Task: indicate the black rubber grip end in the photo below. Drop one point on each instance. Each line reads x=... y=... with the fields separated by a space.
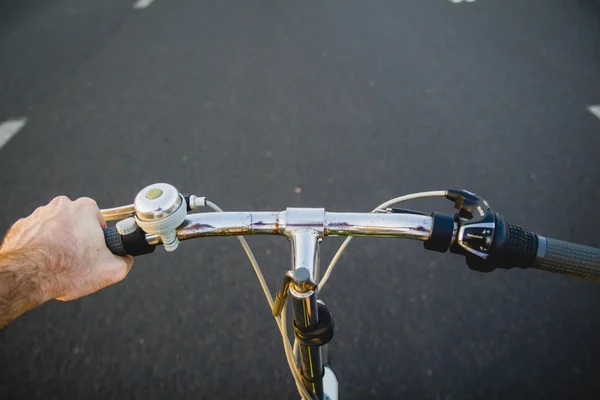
x=114 y=241
x=569 y=259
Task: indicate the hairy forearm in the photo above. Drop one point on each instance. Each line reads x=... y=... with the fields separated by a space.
x=58 y=252
x=24 y=283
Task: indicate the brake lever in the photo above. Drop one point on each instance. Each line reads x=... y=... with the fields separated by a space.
x=118 y=213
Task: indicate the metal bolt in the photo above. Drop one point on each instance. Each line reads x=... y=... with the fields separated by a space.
x=301 y=275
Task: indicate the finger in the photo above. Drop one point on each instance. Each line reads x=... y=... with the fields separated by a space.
x=91 y=205
x=101 y=220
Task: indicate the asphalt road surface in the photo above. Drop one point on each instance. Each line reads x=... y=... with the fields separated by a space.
x=353 y=102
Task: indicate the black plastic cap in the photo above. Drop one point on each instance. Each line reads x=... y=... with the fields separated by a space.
x=441 y=233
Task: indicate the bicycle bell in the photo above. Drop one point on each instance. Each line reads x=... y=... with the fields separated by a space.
x=159 y=210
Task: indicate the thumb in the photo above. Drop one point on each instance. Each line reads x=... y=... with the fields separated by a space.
x=122 y=266
x=111 y=270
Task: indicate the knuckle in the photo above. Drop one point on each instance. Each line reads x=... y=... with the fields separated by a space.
x=17 y=224
x=86 y=202
x=41 y=210
x=58 y=200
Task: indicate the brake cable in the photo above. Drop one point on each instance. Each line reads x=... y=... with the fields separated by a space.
x=281 y=321
x=291 y=353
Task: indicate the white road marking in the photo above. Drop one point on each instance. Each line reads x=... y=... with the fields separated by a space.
x=9 y=128
x=595 y=110
x=139 y=4
x=461 y=1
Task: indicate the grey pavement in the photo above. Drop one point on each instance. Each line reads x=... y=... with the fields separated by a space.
x=352 y=101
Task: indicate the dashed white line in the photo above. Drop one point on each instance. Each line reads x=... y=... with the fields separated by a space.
x=9 y=128
x=595 y=110
x=139 y=4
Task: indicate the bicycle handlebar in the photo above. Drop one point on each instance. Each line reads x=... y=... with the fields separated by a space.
x=487 y=241
x=274 y=223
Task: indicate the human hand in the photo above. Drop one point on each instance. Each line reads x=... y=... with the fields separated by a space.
x=63 y=244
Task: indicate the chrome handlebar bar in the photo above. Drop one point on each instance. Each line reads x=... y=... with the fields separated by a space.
x=407 y=226
x=159 y=215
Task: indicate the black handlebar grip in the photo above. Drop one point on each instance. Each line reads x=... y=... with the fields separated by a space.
x=514 y=246
x=114 y=241
x=520 y=246
x=133 y=244
x=568 y=259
